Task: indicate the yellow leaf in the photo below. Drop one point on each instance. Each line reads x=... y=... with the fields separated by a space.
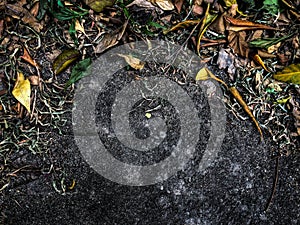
x=133 y=62
x=290 y=74
x=22 y=90
x=99 y=5
x=79 y=27
x=163 y=4
x=202 y=74
x=205 y=74
x=64 y=60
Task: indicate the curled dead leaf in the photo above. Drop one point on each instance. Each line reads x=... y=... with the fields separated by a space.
x=22 y=91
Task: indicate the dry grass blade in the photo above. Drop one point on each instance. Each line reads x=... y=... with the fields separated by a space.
x=202 y=30
x=244 y=105
x=183 y=24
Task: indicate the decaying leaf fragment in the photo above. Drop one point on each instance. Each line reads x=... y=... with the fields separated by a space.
x=22 y=91
x=133 y=61
x=64 y=60
x=99 y=5
x=289 y=74
x=163 y=4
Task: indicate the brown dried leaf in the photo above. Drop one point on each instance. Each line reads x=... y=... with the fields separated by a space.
x=257 y=59
x=18 y=12
x=26 y=56
x=79 y=27
x=1 y=27
x=111 y=39
x=178 y=4
x=238 y=44
x=35 y=9
x=163 y=4
x=142 y=4
x=240 y=25
x=197 y=10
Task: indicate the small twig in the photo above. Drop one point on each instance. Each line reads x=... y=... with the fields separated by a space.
x=274 y=184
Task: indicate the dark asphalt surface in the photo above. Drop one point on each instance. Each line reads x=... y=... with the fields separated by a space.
x=233 y=190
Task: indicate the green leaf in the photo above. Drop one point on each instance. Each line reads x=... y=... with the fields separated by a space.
x=289 y=74
x=72 y=32
x=272 y=6
x=79 y=71
x=267 y=42
x=156 y=25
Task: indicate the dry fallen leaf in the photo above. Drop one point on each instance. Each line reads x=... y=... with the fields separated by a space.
x=163 y=4
x=142 y=4
x=290 y=74
x=26 y=56
x=241 y=25
x=22 y=91
x=18 y=12
x=227 y=61
x=257 y=59
x=178 y=4
x=237 y=43
x=111 y=39
x=133 y=62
